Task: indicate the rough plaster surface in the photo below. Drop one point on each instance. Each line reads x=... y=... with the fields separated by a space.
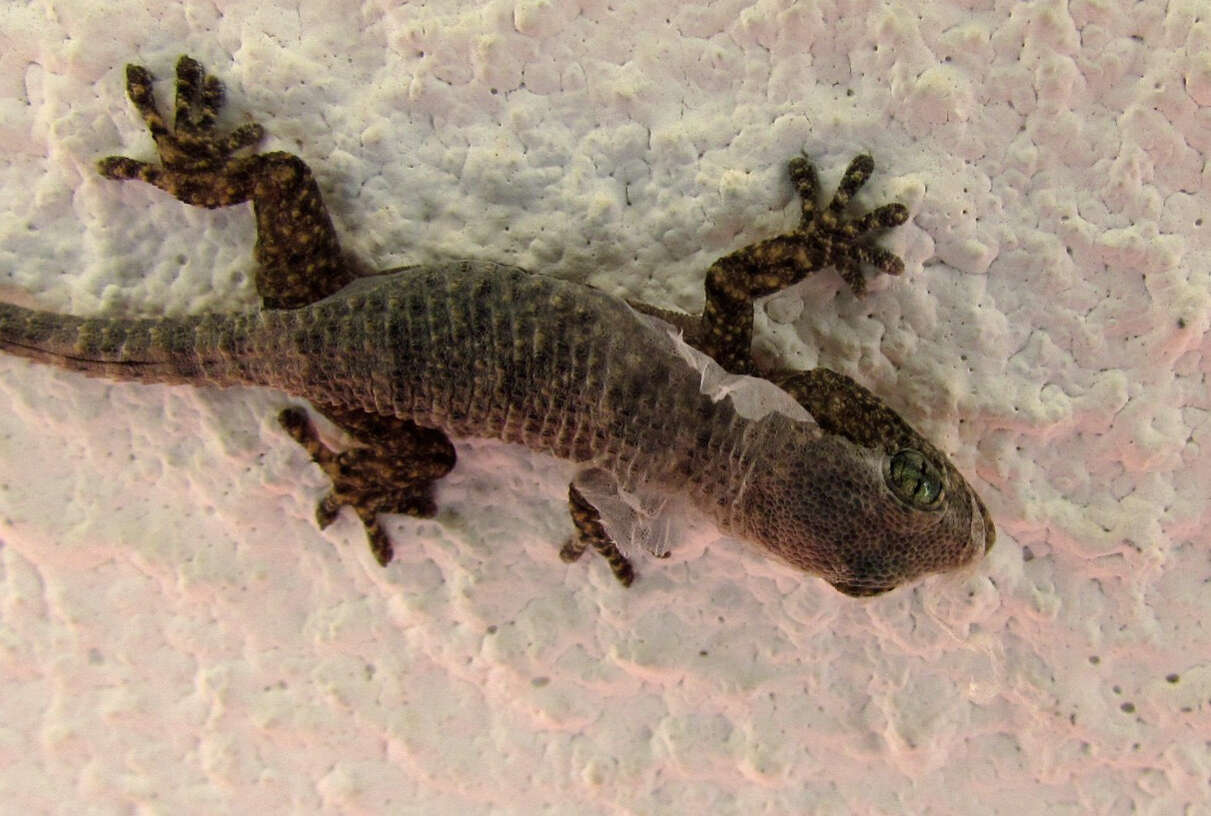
x=177 y=637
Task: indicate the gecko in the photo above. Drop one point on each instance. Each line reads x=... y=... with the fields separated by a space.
x=406 y=359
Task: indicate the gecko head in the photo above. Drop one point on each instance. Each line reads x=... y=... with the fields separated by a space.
x=859 y=497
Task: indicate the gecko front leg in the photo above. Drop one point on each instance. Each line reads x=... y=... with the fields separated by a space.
x=590 y=532
x=825 y=237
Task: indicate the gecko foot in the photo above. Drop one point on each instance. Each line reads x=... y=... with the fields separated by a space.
x=838 y=241
x=191 y=151
x=373 y=480
x=825 y=237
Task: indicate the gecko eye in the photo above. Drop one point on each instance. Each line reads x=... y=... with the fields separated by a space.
x=915 y=480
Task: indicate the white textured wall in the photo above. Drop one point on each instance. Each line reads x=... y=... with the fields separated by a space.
x=177 y=637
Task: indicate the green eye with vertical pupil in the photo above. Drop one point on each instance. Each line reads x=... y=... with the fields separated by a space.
x=915 y=480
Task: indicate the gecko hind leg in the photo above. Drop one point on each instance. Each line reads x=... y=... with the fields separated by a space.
x=299 y=261
x=298 y=255
x=392 y=470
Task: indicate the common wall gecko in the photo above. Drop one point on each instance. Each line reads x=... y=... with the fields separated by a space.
x=405 y=359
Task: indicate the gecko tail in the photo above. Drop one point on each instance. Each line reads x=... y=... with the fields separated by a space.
x=161 y=350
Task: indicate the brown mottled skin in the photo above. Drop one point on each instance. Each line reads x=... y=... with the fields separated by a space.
x=403 y=359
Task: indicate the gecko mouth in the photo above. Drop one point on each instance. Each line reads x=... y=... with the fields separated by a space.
x=860 y=590
x=984 y=520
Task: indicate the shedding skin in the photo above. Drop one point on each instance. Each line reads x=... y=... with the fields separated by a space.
x=590 y=532
x=397 y=460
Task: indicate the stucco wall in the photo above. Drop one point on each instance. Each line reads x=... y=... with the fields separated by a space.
x=176 y=636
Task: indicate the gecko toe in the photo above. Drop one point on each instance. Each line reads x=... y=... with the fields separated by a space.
x=120 y=168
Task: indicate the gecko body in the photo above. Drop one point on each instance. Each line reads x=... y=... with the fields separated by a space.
x=405 y=359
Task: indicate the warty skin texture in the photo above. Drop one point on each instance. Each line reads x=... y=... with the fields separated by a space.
x=479 y=349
